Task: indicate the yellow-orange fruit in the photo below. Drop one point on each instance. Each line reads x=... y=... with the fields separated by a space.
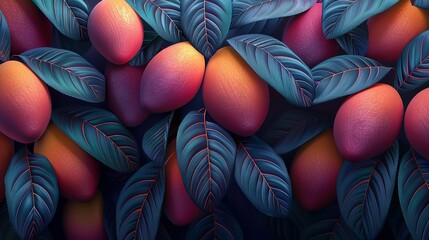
x=25 y=106
x=314 y=172
x=234 y=94
x=77 y=172
x=6 y=153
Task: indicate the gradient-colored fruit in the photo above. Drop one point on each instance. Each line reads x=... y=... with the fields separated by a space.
x=25 y=106
x=115 y=30
x=6 y=152
x=123 y=93
x=368 y=122
x=392 y=30
x=234 y=94
x=314 y=172
x=172 y=78
x=77 y=172
x=304 y=36
x=178 y=206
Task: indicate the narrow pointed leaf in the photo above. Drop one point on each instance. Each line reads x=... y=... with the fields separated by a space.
x=152 y=44
x=421 y=3
x=5 y=41
x=356 y=41
x=267 y=27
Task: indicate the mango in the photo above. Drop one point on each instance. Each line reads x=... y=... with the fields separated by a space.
x=6 y=153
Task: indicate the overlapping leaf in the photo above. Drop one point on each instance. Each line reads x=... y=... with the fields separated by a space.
x=100 y=133
x=276 y=64
x=5 y=41
x=396 y=221
x=152 y=44
x=421 y=3
x=355 y=42
x=267 y=27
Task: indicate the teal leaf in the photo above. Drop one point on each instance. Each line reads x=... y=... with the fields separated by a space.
x=421 y=3
x=356 y=41
x=152 y=44
x=5 y=41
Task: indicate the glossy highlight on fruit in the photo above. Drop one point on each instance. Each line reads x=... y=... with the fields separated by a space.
x=6 y=153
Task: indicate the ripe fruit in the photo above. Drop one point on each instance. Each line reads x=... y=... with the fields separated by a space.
x=25 y=107
x=115 y=30
x=368 y=122
x=6 y=152
x=172 y=78
x=77 y=172
x=234 y=94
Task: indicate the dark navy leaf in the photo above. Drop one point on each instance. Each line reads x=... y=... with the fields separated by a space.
x=205 y=23
x=276 y=64
x=267 y=27
x=290 y=227
x=421 y=3
x=162 y=233
x=31 y=193
x=344 y=75
x=364 y=191
x=5 y=40
x=396 y=222
x=262 y=176
x=340 y=17
x=152 y=43
x=355 y=42
x=138 y=210
x=205 y=153
x=70 y=17
x=101 y=134
x=66 y=72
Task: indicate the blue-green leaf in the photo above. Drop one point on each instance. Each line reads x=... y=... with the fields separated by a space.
x=396 y=221
x=66 y=72
x=31 y=193
x=344 y=75
x=101 y=134
x=356 y=41
x=5 y=40
x=267 y=27
x=70 y=17
x=364 y=191
x=421 y=3
x=277 y=65
x=152 y=43
x=205 y=153
x=205 y=23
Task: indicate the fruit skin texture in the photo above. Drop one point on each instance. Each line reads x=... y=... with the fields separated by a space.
x=25 y=108
x=178 y=206
x=368 y=122
x=234 y=94
x=391 y=31
x=123 y=93
x=303 y=34
x=115 y=30
x=29 y=28
x=172 y=78
x=77 y=172
x=314 y=172
x=6 y=153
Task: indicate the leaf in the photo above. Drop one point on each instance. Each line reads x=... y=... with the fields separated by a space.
x=396 y=222
x=294 y=128
x=5 y=40
x=220 y=224
x=421 y=3
x=138 y=210
x=267 y=27
x=31 y=193
x=364 y=191
x=413 y=66
x=100 y=133
x=70 y=17
x=248 y=11
x=340 y=17
x=152 y=43
x=276 y=64
x=66 y=72
x=262 y=176
x=205 y=153
x=155 y=140
x=356 y=41
x=344 y=75
x=163 y=16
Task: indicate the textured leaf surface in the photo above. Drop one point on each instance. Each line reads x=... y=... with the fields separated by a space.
x=267 y=27
x=276 y=64
x=152 y=44
x=344 y=75
x=70 y=17
x=138 y=210
x=31 y=193
x=5 y=41
x=364 y=191
x=421 y=3
x=355 y=42
x=205 y=23
x=100 y=133
x=205 y=153
x=340 y=17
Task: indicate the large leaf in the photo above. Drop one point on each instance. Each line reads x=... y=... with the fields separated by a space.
x=138 y=210
x=262 y=176
x=421 y=3
x=340 y=17
x=344 y=75
x=70 y=17
x=248 y=11
x=413 y=65
x=205 y=23
x=31 y=193
x=267 y=27
x=205 y=153
x=275 y=63
x=67 y=72
x=220 y=224
x=356 y=41
x=163 y=16
x=364 y=191
x=5 y=40
x=152 y=43
x=101 y=134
